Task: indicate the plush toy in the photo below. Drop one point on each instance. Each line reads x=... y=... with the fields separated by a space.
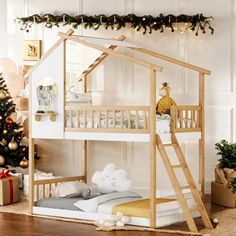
x=163 y=105
x=118 y=220
x=111 y=179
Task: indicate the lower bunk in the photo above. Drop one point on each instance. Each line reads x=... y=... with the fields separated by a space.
x=107 y=208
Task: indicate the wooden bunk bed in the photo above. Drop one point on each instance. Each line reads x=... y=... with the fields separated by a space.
x=122 y=123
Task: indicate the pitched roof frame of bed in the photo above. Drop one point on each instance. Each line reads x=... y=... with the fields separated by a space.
x=153 y=69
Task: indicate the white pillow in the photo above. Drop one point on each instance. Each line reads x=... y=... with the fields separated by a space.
x=69 y=189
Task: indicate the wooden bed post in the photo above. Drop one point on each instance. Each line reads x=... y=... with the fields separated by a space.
x=31 y=153
x=152 y=148
x=85 y=142
x=202 y=140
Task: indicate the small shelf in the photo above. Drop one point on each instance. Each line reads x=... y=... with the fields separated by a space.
x=51 y=115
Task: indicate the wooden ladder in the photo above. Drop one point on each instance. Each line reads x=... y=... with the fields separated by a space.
x=176 y=185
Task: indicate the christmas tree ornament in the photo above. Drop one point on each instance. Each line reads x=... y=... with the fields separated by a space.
x=2 y=94
x=24 y=163
x=12 y=150
x=13 y=145
x=2 y=160
x=9 y=121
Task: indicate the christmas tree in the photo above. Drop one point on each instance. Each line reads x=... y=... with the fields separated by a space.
x=12 y=152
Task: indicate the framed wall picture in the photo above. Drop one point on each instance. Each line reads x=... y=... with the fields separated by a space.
x=32 y=50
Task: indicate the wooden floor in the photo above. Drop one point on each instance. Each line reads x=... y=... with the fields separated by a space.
x=22 y=225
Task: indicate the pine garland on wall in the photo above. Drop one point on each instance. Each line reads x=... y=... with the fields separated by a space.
x=147 y=23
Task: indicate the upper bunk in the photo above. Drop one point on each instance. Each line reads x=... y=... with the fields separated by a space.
x=54 y=116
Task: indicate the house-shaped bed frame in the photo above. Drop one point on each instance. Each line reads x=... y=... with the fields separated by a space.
x=186 y=121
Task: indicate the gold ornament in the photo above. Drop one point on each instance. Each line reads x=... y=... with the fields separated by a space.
x=2 y=160
x=13 y=145
x=4 y=131
x=24 y=163
x=2 y=94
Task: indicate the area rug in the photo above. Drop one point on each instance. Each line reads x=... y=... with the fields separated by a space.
x=225 y=227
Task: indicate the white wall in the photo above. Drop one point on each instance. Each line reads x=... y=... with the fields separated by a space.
x=215 y=52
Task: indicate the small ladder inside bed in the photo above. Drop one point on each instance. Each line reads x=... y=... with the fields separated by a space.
x=178 y=188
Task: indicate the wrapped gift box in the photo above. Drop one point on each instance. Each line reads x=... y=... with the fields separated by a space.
x=222 y=195
x=9 y=190
x=20 y=175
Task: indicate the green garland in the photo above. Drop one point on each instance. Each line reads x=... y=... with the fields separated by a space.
x=115 y=22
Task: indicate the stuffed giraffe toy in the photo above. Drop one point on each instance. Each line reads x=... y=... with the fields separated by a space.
x=163 y=105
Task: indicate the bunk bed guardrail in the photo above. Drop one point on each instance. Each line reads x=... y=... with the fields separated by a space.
x=117 y=119
x=129 y=119
x=185 y=119
x=43 y=188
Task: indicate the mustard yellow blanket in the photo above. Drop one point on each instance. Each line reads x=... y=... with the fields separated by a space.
x=138 y=208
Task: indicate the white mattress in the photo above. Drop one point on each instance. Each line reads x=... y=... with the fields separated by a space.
x=167 y=213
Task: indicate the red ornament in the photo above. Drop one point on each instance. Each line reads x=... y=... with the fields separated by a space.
x=9 y=121
x=27 y=31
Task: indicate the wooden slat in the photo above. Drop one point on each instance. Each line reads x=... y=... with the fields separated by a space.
x=50 y=189
x=202 y=140
x=37 y=192
x=152 y=162
x=69 y=107
x=137 y=120
x=58 y=180
x=179 y=130
x=192 y=119
x=189 y=108
x=78 y=118
x=186 y=119
x=111 y=52
x=31 y=154
x=181 y=118
x=92 y=119
x=44 y=191
x=172 y=60
x=144 y=120
x=85 y=160
x=129 y=119
x=99 y=119
x=101 y=58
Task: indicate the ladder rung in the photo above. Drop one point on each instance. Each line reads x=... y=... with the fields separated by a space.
x=195 y=209
x=179 y=166
x=168 y=145
x=186 y=187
